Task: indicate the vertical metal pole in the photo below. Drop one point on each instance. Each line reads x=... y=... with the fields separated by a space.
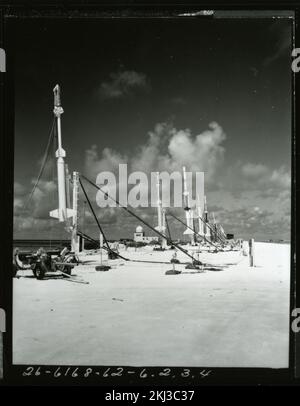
x=251 y=252
x=83 y=225
x=75 y=239
x=67 y=177
x=188 y=212
x=159 y=211
x=161 y=227
x=205 y=228
x=101 y=246
x=214 y=234
x=200 y=223
x=164 y=240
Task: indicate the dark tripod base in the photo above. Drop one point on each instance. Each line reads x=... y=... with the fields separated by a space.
x=172 y=272
x=112 y=255
x=103 y=268
x=192 y=266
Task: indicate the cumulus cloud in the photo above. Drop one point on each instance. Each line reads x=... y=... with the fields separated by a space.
x=265 y=178
x=281 y=178
x=253 y=171
x=250 y=199
x=255 y=221
x=256 y=177
x=255 y=200
x=32 y=212
x=122 y=84
x=204 y=152
x=109 y=160
x=166 y=149
x=43 y=200
x=18 y=204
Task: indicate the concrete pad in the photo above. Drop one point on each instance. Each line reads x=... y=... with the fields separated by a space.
x=136 y=315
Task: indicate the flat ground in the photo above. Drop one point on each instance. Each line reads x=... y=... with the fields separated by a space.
x=136 y=315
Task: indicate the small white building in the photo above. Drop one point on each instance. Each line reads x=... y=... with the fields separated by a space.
x=139 y=236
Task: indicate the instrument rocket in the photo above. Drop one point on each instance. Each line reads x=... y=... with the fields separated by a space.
x=62 y=213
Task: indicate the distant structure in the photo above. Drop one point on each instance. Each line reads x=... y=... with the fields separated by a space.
x=139 y=236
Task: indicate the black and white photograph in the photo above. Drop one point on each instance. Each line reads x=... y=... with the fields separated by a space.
x=152 y=191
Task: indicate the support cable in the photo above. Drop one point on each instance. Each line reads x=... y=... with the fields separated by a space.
x=98 y=224
x=44 y=161
x=178 y=219
x=139 y=218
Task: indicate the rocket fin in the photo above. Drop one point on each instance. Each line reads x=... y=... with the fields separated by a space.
x=188 y=231
x=54 y=213
x=70 y=213
x=160 y=229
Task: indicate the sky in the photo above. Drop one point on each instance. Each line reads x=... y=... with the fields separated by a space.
x=213 y=95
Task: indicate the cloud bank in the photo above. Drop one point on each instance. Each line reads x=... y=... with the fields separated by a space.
x=166 y=149
x=250 y=199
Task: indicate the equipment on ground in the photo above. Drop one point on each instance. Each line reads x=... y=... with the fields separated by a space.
x=44 y=263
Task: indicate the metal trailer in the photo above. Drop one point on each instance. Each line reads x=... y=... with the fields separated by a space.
x=45 y=263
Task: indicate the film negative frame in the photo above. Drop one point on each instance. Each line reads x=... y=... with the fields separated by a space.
x=119 y=375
